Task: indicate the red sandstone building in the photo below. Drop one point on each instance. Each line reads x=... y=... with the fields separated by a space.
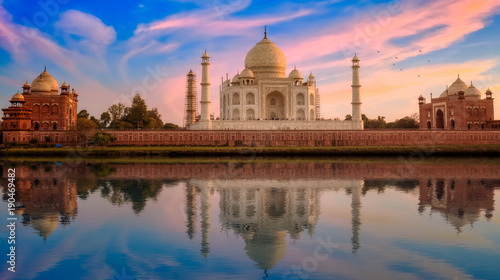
x=459 y=107
x=41 y=106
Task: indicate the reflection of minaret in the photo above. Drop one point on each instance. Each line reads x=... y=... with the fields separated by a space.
x=205 y=220
x=356 y=216
x=190 y=209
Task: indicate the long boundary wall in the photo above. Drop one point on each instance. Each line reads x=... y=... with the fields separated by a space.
x=285 y=138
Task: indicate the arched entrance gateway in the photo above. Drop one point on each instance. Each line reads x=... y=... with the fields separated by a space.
x=275 y=106
x=439 y=119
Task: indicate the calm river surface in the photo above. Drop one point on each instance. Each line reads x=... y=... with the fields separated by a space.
x=258 y=219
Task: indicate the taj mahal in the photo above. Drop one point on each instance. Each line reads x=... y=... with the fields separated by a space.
x=263 y=97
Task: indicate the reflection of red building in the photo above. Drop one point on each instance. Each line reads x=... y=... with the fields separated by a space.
x=46 y=198
x=460 y=201
x=41 y=107
x=459 y=107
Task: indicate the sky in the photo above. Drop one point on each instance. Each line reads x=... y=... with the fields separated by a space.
x=110 y=50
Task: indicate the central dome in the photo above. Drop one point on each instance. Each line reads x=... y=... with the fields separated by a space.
x=42 y=82
x=266 y=60
x=457 y=86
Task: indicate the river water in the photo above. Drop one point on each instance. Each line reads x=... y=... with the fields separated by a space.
x=351 y=218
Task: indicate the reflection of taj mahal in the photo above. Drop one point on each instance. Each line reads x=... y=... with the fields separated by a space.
x=263 y=213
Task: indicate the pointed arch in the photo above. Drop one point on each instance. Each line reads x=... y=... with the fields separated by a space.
x=439 y=119
x=236 y=114
x=275 y=105
x=250 y=114
x=236 y=98
x=301 y=115
x=301 y=100
x=250 y=98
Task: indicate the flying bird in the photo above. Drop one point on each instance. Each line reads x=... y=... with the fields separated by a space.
x=428 y=61
x=396 y=57
x=378 y=51
x=401 y=69
x=420 y=50
x=419 y=75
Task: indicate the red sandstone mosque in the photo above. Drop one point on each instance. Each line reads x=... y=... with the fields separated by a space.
x=41 y=106
x=459 y=107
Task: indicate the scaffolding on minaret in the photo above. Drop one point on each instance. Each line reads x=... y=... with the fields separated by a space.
x=318 y=105
x=191 y=105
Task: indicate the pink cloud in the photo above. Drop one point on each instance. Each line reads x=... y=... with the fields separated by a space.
x=374 y=31
x=211 y=25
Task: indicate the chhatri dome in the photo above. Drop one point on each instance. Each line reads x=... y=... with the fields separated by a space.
x=17 y=97
x=266 y=59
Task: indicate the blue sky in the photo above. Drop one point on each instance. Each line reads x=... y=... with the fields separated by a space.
x=109 y=50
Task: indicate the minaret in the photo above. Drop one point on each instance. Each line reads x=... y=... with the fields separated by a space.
x=356 y=100
x=205 y=91
x=190 y=108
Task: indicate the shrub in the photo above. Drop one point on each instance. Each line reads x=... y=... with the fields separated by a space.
x=102 y=139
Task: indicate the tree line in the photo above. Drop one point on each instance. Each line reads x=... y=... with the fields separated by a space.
x=408 y=122
x=118 y=116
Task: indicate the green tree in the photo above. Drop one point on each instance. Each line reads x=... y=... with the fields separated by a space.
x=102 y=139
x=348 y=117
x=96 y=121
x=154 y=119
x=170 y=126
x=105 y=119
x=377 y=123
x=85 y=128
x=408 y=122
x=116 y=111
x=121 y=125
x=138 y=112
x=83 y=114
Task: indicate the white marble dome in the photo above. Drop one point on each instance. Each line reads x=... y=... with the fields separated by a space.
x=267 y=60
x=247 y=73
x=295 y=74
